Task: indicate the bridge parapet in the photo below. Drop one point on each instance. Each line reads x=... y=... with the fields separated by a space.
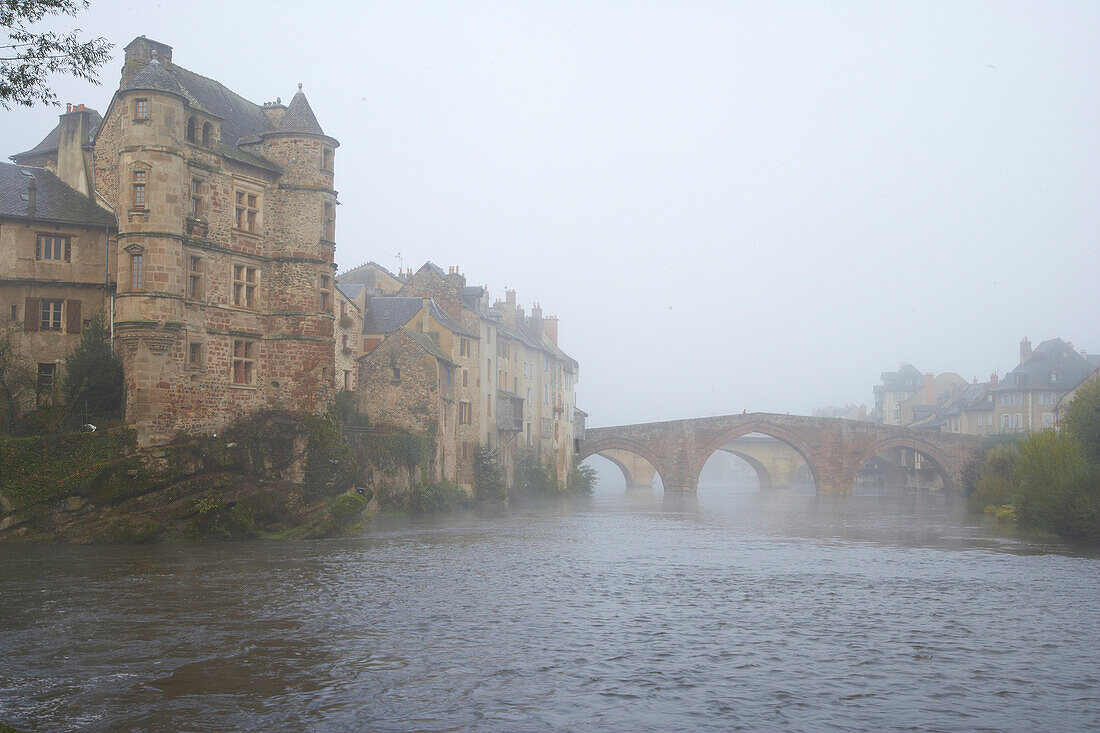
x=834 y=449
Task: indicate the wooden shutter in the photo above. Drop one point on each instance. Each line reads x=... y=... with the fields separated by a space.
x=68 y=249
x=31 y=315
x=72 y=316
x=38 y=247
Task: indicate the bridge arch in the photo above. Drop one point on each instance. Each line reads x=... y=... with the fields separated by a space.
x=763 y=475
x=772 y=430
x=604 y=449
x=939 y=460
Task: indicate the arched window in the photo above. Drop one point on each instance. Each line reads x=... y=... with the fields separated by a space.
x=191 y=129
x=207 y=133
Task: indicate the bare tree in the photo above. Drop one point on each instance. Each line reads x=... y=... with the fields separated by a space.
x=29 y=57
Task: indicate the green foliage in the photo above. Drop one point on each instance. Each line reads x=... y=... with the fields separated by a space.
x=40 y=470
x=996 y=482
x=1082 y=418
x=1059 y=487
x=134 y=530
x=533 y=477
x=347 y=411
x=582 y=479
x=93 y=374
x=435 y=498
x=489 y=484
x=330 y=467
x=31 y=57
x=17 y=376
x=347 y=506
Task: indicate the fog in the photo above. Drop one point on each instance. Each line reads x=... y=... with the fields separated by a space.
x=729 y=205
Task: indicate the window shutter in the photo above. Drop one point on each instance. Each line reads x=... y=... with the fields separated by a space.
x=31 y=315
x=72 y=316
x=38 y=248
x=68 y=250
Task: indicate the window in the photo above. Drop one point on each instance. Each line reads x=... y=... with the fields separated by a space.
x=328 y=232
x=326 y=293
x=142 y=111
x=344 y=343
x=14 y=312
x=51 y=247
x=465 y=450
x=465 y=415
x=244 y=357
x=1054 y=377
x=463 y=346
x=191 y=130
x=50 y=319
x=1045 y=398
x=137 y=271
x=488 y=405
x=245 y=279
x=343 y=308
x=46 y=375
x=1018 y=398
x=194 y=277
x=197 y=208
x=194 y=354
x=465 y=377
x=248 y=211
x=1048 y=420
x=207 y=133
x=347 y=379
x=397 y=374
x=139 y=189
x=327 y=156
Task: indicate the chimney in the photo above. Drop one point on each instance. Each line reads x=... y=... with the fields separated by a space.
x=510 y=298
x=139 y=53
x=425 y=311
x=551 y=325
x=993 y=380
x=72 y=167
x=929 y=388
x=32 y=197
x=274 y=111
x=1025 y=350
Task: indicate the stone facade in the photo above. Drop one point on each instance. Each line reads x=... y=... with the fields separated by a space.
x=347 y=328
x=224 y=251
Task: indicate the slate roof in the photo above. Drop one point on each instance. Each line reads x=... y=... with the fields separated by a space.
x=1053 y=356
x=54 y=201
x=299 y=117
x=363 y=274
x=386 y=314
x=351 y=291
x=428 y=344
x=157 y=78
x=896 y=381
x=50 y=142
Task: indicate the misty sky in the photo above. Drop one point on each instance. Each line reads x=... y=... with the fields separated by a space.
x=729 y=205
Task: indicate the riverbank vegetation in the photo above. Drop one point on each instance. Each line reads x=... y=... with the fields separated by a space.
x=1048 y=481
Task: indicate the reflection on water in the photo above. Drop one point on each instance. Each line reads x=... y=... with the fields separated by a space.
x=627 y=611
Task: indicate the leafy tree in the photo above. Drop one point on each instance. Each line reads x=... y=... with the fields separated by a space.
x=1058 y=487
x=347 y=411
x=1083 y=418
x=29 y=57
x=489 y=482
x=532 y=476
x=93 y=374
x=582 y=479
x=17 y=376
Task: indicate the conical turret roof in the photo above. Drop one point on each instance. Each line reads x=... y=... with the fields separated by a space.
x=156 y=77
x=299 y=117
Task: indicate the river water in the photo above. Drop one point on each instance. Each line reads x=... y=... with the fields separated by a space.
x=744 y=609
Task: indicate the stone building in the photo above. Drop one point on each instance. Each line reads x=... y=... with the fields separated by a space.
x=225 y=241
x=56 y=254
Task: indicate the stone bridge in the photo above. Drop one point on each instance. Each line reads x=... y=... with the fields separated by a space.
x=834 y=450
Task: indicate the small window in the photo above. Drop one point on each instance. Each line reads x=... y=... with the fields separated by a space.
x=50 y=247
x=207 y=134
x=197 y=198
x=14 y=312
x=194 y=355
x=142 y=112
x=465 y=377
x=326 y=294
x=244 y=356
x=137 y=272
x=347 y=379
x=46 y=375
x=465 y=414
x=139 y=189
x=327 y=156
x=194 y=277
x=245 y=280
x=397 y=374
x=247 y=211
x=191 y=136
x=50 y=319
x=329 y=229
x=1054 y=377
x=344 y=342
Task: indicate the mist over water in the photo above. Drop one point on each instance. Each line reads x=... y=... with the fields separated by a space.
x=626 y=611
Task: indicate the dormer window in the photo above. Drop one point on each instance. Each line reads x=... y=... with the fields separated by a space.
x=1054 y=377
x=141 y=111
x=191 y=130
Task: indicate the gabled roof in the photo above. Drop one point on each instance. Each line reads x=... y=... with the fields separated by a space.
x=1053 y=356
x=54 y=201
x=387 y=313
x=350 y=291
x=428 y=344
x=50 y=142
x=896 y=381
x=299 y=117
x=364 y=274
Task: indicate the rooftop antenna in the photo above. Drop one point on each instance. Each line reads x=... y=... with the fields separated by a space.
x=400 y=262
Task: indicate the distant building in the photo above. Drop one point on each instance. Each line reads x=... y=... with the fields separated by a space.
x=1025 y=400
x=908 y=397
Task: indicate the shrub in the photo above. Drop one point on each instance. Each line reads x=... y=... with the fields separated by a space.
x=996 y=483
x=435 y=498
x=93 y=374
x=582 y=479
x=489 y=484
x=1058 y=487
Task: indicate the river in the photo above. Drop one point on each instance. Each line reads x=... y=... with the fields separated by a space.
x=738 y=609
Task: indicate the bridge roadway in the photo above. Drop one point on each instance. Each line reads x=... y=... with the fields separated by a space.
x=834 y=449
